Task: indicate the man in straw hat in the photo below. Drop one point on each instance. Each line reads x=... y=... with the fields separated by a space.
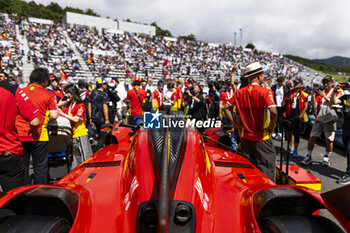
x=252 y=105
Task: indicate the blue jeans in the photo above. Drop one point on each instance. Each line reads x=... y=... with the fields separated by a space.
x=135 y=120
x=234 y=135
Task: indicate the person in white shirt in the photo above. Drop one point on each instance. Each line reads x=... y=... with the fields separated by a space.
x=278 y=90
x=122 y=106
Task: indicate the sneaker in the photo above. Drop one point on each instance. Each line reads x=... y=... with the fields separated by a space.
x=291 y=150
x=344 y=180
x=295 y=154
x=325 y=162
x=279 y=137
x=307 y=160
x=273 y=135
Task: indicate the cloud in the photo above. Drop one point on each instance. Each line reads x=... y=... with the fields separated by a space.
x=313 y=28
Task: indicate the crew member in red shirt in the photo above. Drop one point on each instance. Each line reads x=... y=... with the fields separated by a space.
x=253 y=104
x=37 y=146
x=13 y=101
x=158 y=97
x=136 y=97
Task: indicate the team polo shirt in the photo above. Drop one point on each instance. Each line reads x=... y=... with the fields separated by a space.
x=13 y=101
x=157 y=97
x=45 y=102
x=77 y=110
x=175 y=97
x=251 y=104
x=135 y=104
x=224 y=97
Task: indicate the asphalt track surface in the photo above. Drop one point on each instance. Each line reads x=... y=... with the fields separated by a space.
x=327 y=175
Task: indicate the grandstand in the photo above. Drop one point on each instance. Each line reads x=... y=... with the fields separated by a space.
x=88 y=52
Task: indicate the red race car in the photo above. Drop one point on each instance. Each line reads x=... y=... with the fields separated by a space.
x=169 y=180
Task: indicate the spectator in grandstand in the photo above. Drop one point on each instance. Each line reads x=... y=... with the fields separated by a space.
x=279 y=91
x=98 y=109
x=296 y=107
x=37 y=145
x=158 y=97
x=13 y=101
x=325 y=122
x=74 y=111
x=136 y=98
x=344 y=100
x=252 y=104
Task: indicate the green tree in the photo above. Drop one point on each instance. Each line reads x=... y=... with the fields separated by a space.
x=89 y=11
x=161 y=32
x=250 y=46
x=188 y=37
x=54 y=7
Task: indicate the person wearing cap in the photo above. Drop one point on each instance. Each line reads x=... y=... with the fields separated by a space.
x=98 y=109
x=296 y=107
x=53 y=87
x=136 y=98
x=37 y=145
x=328 y=128
x=253 y=104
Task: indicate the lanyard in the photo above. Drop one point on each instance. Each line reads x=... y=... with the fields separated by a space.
x=229 y=94
x=328 y=95
x=71 y=106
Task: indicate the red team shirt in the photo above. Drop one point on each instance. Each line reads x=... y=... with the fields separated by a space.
x=224 y=97
x=13 y=101
x=135 y=105
x=251 y=104
x=158 y=97
x=45 y=101
x=76 y=110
